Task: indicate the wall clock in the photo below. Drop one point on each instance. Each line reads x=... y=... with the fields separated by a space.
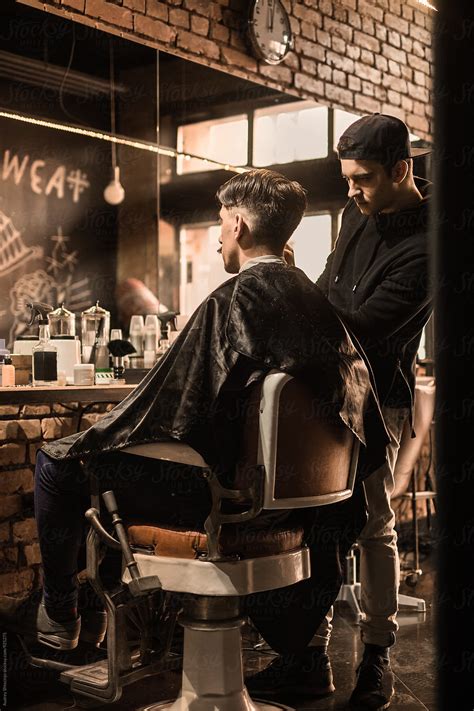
x=269 y=30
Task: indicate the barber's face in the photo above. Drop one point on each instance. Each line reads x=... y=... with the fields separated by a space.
x=228 y=240
x=368 y=185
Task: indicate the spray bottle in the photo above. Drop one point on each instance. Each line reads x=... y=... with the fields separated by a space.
x=119 y=348
x=167 y=319
x=45 y=354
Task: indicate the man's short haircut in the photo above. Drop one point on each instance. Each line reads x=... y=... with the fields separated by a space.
x=276 y=204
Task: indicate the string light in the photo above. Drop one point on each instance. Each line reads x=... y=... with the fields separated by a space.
x=428 y=4
x=114 y=138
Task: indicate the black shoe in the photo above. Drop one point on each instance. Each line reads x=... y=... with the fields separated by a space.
x=307 y=677
x=93 y=615
x=93 y=626
x=28 y=618
x=374 y=686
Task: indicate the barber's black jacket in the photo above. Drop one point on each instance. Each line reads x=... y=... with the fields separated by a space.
x=269 y=316
x=377 y=278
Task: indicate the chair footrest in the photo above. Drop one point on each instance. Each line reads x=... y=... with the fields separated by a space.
x=419 y=495
x=144 y=585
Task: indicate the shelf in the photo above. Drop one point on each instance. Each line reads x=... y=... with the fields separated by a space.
x=27 y=395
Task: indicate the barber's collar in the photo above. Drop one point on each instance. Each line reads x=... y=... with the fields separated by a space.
x=265 y=259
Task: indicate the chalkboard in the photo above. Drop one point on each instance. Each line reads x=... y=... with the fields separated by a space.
x=57 y=234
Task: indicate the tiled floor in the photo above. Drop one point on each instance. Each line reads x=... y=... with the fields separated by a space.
x=412 y=662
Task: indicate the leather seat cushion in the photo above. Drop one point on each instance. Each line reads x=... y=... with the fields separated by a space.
x=235 y=540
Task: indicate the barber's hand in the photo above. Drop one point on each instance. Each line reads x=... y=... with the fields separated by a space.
x=289 y=255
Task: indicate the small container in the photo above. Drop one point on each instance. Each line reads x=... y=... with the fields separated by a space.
x=152 y=332
x=84 y=374
x=8 y=372
x=3 y=351
x=137 y=333
x=149 y=358
x=23 y=368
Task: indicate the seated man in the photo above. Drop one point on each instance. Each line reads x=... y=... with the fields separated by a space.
x=268 y=316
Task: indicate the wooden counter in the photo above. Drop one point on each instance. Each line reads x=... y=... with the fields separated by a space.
x=27 y=395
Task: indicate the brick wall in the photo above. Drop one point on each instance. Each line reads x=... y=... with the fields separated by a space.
x=22 y=431
x=358 y=55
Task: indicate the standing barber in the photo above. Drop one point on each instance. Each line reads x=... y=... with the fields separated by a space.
x=377 y=278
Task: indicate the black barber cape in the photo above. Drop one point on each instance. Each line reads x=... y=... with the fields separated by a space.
x=270 y=316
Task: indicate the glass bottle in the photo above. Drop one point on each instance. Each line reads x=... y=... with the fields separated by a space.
x=45 y=357
x=152 y=329
x=136 y=333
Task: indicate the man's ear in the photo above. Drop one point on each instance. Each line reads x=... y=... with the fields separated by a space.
x=239 y=225
x=400 y=171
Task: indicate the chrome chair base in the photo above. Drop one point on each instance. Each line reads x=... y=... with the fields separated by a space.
x=212 y=661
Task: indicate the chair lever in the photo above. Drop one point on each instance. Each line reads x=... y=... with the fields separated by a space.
x=92 y=515
x=139 y=585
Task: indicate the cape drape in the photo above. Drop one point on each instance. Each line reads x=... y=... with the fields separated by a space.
x=269 y=316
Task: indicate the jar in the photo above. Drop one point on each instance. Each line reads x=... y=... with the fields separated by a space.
x=84 y=374
x=95 y=330
x=62 y=322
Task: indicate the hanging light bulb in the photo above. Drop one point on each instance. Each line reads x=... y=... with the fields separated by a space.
x=114 y=192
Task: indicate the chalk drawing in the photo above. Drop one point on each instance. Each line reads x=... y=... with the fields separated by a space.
x=41 y=181
x=54 y=286
x=13 y=251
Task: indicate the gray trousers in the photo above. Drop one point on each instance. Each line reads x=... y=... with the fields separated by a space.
x=379 y=563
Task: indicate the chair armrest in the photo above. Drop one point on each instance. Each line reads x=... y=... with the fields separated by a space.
x=216 y=518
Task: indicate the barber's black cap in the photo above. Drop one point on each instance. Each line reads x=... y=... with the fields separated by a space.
x=377 y=137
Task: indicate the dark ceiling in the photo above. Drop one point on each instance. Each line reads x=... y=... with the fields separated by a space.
x=187 y=89
x=50 y=39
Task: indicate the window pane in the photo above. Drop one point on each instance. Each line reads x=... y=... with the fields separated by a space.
x=290 y=132
x=202 y=268
x=223 y=140
x=311 y=242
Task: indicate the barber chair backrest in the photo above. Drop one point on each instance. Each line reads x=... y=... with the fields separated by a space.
x=308 y=460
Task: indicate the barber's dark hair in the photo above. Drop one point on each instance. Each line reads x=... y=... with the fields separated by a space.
x=276 y=203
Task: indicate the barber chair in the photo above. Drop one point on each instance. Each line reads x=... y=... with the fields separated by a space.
x=292 y=458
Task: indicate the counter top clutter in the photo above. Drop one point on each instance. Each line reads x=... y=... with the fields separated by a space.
x=47 y=352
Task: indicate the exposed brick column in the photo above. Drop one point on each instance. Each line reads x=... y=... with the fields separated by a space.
x=22 y=431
